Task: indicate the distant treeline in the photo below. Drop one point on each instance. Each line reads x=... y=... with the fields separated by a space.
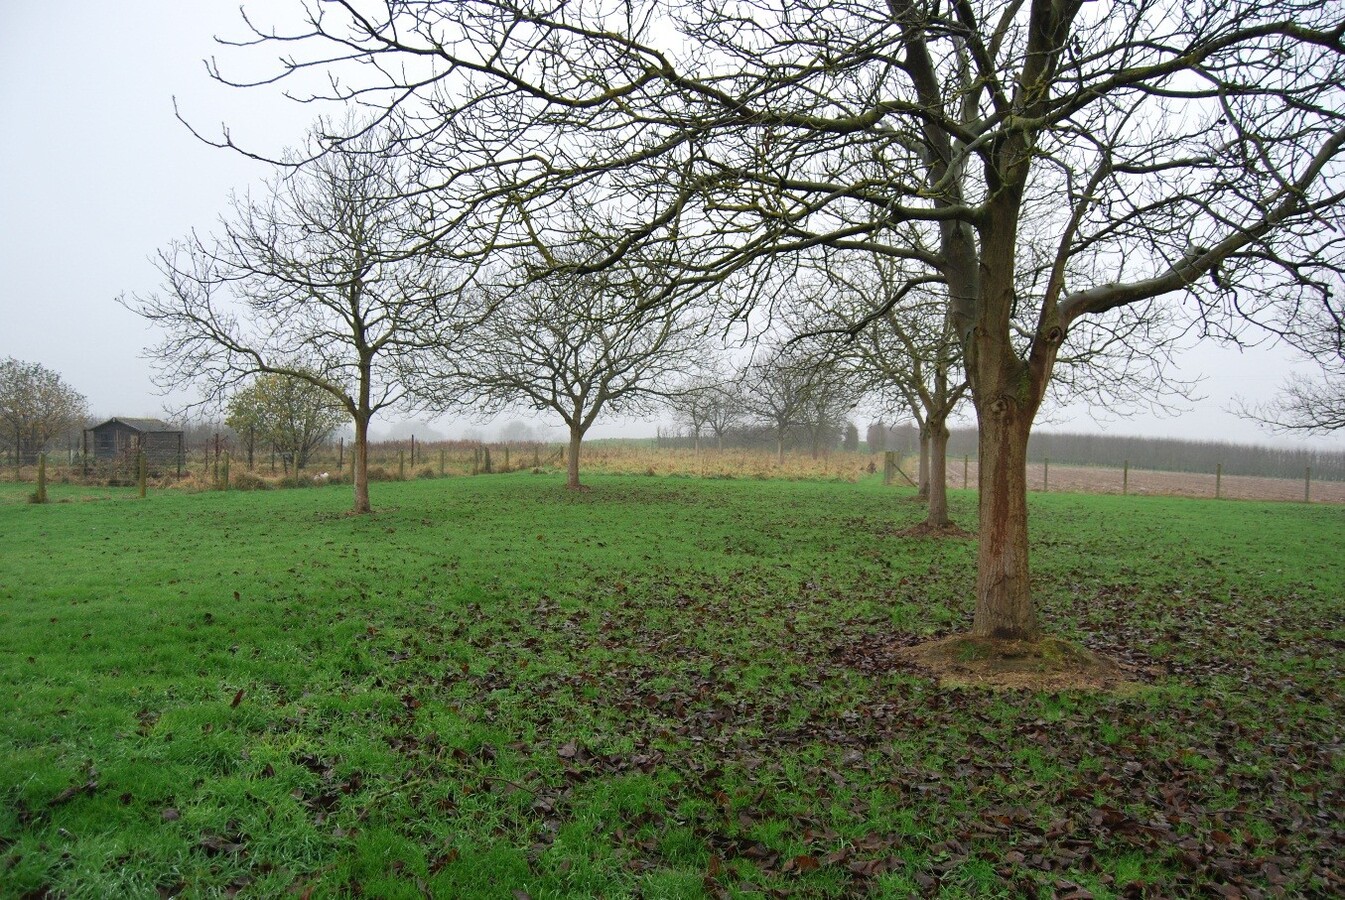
x=1161 y=454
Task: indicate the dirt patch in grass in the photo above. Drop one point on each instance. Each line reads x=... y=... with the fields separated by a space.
x=1046 y=665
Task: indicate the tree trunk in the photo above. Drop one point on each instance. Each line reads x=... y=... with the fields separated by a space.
x=572 y=460
x=1004 y=607
x=924 y=462
x=937 y=516
x=780 y=449
x=361 y=460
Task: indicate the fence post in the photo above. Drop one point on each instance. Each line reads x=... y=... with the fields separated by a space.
x=1046 y=475
x=413 y=451
x=889 y=464
x=1307 y=484
x=341 y=455
x=506 y=458
x=487 y=456
x=1218 y=481
x=1125 y=478
x=41 y=495
x=965 y=461
x=441 y=462
x=143 y=470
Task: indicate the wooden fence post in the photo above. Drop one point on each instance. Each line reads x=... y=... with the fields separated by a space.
x=413 y=451
x=442 y=453
x=1046 y=475
x=1218 y=481
x=41 y=495
x=341 y=455
x=889 y=465
x=965 y=461
x=1307 y=484
x=143 y=470
x=1125 y=478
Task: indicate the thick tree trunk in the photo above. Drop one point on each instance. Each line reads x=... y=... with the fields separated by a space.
x=780 y=449
x=1004 y=607
x=361 y=464
x=937 y=516
x=572 y=459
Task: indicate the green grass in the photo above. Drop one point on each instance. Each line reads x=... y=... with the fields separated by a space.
x=661 y=688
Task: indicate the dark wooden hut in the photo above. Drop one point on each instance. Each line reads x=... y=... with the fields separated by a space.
x=117 y=443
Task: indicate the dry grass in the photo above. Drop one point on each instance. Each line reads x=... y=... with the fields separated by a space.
x=625 y=459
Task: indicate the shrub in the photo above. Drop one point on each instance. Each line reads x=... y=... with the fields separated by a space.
x=250 y=481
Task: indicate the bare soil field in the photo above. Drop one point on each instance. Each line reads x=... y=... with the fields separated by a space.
x=1097 y=480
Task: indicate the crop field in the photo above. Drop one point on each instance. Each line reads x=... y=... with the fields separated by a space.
x=662 y=687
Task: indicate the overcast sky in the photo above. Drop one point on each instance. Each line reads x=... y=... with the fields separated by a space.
x=96 y=174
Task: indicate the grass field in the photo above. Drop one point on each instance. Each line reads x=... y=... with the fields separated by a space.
x=665 y=687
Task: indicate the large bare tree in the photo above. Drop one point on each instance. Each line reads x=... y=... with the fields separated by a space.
x=321 y=278
x=1063 y=162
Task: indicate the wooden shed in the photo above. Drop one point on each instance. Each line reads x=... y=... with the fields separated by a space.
x=118 y=442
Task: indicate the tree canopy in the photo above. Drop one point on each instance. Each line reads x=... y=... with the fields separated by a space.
x=36 y=406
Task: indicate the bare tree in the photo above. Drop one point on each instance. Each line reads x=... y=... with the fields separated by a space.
x=36 y=406
x=894 y=335
x=829 y=396
x=724 y=410
x=790 y=390
x=321 y=279
x=691 y=402
x=1164 y=150
x=578 y=345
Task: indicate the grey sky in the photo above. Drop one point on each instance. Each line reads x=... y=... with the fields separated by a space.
x=96 y=174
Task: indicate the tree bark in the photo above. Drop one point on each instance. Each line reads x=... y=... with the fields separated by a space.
x=924 y=462
x=361 y=461
x=937 y=515
x=572 y=459
x=1004 y=607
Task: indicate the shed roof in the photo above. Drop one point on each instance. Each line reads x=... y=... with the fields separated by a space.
x=141 y=425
